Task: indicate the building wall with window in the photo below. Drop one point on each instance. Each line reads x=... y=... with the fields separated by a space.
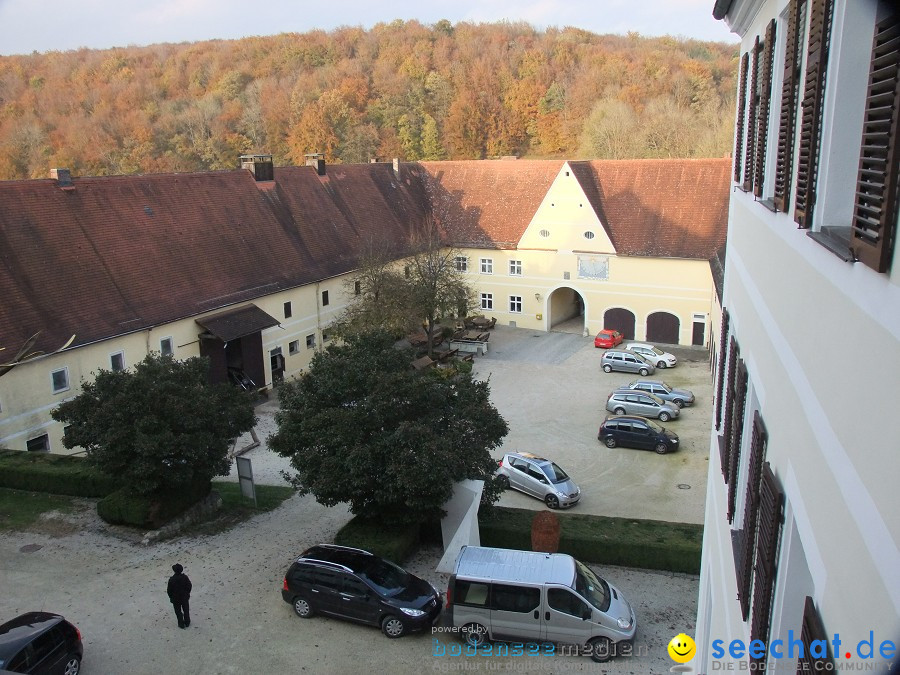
x=802 y=535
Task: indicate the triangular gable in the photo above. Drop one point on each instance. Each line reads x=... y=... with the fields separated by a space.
x=566 y=220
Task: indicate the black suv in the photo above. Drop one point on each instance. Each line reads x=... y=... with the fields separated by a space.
x=634 y=431
x=354 y=584
x=40 y=642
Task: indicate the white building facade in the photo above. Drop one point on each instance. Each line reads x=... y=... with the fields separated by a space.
x=802 y=522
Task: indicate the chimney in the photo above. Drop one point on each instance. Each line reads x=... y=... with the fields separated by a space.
x=373 y=160
x=317 y=161
x=260 y=166
x=63 y=178
x=397 y=165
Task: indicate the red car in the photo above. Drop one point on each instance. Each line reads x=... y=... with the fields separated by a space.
x=608 y=338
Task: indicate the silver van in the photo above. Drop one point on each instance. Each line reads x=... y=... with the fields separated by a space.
x=524 y=596
x=631 y=402
x=629 y=362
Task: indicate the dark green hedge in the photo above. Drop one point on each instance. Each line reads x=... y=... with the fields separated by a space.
x=125 y=507
x=396 y=543
x=647 y=544
x=56 y=474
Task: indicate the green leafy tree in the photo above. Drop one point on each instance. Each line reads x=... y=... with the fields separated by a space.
x=364 y=428
x=159 y=427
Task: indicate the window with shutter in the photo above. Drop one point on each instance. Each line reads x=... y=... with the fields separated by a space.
x=723 y=345
x=874 y=226
x=724 y=445
x=737 y=431
x=765 y=95
x=790 y=88
x=811 y=116
x=743 y=560
x=739 y=131
x=810 y=630
x=752 y=110
x=771 y=506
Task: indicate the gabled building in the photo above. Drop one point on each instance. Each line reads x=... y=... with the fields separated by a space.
x=249 y=267
x=801 y=551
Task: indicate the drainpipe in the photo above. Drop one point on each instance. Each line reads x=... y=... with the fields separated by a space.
x=318 y=318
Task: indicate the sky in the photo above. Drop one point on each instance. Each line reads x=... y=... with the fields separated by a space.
x=47 y=25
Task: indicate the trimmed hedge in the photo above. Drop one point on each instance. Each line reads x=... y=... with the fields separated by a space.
x=56 y=474
x=125 y=507
x=394 y=542
x=628 y=542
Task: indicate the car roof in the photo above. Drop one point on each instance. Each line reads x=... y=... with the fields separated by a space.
x=627 y=418
x=644 y=381
x=500 y=564
x=16 y=633
x=528 y=455
x=638 y=392
x=353 y=559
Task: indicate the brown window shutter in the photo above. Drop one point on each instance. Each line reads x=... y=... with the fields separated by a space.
x=751 y=118
x=874 y=227
x=737 y=431
x=723 y=345
x=771 y=505
x=765 y=95
x=810 y=630
x=725 y=446
x=811 y=117
x=747 y=536
x=739 y=130
x=787 y=120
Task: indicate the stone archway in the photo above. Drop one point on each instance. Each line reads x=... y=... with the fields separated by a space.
x=620 y=319
x=565 y=307
x=663 y=327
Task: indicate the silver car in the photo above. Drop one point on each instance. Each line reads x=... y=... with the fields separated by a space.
x=654 y=355
x=630 y=402
x=629 y=362
x=539 y=478
x=680 y=397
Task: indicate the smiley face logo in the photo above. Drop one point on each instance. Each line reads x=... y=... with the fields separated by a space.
x=682 y=648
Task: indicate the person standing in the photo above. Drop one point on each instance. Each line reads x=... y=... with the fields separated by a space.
x=179 y=590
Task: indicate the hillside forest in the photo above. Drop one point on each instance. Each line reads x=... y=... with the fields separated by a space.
x=407 y=90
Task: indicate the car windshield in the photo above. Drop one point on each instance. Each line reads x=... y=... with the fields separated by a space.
x=668 y=387
x=385 y=576
x=590 y=587
x=555 y=473
x=653 y=425
x=657 y=351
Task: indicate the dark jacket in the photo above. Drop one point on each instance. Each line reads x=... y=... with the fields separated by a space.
x=179 y=588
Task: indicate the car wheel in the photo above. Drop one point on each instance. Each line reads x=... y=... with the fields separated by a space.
x=620 y=411
x=607 y=368
x=503 y=482
x=474 y=634
x=644 y=372
x=302 y=607
x=552 y=501
x=610 y=442
x=664 y=417
x=661 y=364
x=73 y=665
x=600 y=651
x=393 y=626
x=678 y=402
x=661 y=448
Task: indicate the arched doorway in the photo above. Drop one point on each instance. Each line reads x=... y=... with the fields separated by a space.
x=663 y=327
x=621 y=320
x=566 y=308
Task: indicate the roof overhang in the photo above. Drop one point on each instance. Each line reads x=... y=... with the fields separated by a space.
x=720 y=9
x=236 y=323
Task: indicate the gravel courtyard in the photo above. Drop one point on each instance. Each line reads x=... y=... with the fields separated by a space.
x=113 y=588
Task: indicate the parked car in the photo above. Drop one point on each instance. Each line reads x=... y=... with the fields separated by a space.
x=628 y=362
x=353 y=584
x=654 y=355
x=40 y=642
x=499 y=594
x=631 y=402
x=608 y=338
x=633 y=431
x=539 y=478
x=680 y=397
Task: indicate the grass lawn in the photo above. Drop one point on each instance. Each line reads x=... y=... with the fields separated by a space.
x=20 y=509
x=236 y=508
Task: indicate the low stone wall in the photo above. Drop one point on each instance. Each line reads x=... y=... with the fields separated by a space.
x=196 y=514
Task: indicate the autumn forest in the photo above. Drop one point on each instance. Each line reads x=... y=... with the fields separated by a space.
x=407 y=90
